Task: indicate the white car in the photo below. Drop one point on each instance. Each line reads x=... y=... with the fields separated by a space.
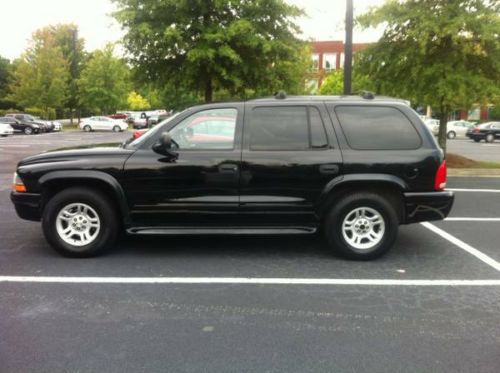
x=432 y=125
x=103 y=124
x=455 y=128
x=6 y=129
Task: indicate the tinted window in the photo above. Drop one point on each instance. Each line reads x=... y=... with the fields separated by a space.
x=318 y=134
x=286 y=128
x=377 y=128
x=207 y=129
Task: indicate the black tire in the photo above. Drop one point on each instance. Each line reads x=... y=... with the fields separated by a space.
x=451 y=135
x=336 y=216
x=87 y=128
x=490 y=137
x=116 y=129
x=477 y=140
x=28 y=131
x=96 y=200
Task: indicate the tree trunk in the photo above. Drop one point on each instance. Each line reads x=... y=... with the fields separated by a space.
x=71 y=116
x=443 y=119
x=208 y=90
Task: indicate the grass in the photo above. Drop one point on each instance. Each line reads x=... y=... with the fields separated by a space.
x=457 y=161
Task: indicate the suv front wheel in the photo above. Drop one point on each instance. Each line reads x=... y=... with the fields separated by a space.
x=79 y=222
x=362 y=226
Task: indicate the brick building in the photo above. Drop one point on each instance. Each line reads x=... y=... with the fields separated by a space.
x=327 y=56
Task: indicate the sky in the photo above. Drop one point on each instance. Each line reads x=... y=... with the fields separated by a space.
x=324 y=21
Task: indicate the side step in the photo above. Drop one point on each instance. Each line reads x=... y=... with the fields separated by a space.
x=220 y=230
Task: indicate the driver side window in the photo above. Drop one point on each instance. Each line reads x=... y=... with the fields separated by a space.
x=212 y=129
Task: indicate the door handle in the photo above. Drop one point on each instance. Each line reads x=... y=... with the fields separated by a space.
x=329 y=169
x=228 y=168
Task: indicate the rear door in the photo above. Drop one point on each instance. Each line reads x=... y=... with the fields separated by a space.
x=290 y=154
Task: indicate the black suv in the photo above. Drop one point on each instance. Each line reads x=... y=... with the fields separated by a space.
x=22 y=125
x=351 y=167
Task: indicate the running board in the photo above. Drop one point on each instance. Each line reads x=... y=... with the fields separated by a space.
x=220 y=230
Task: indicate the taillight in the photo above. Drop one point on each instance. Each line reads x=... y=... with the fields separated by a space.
x=440 y=180
x=476 y=130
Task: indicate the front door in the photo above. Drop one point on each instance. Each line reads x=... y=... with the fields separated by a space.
x=198 y=185
x=290 y=154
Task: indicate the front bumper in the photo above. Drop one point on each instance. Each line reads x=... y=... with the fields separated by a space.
x=27 y=205
x=427 y=206
x=6 y=132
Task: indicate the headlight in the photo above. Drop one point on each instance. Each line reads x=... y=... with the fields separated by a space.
x=17 y=184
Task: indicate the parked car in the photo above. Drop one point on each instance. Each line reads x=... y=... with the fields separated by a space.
x=354 y=168
x=139 y=120
x=51 y=125
x=103 y=124
x=6 y=129
x=45 y=126
x=27 y=127
x=456 y=128
x=487 y=131
x=121 y=116
x=432 y=125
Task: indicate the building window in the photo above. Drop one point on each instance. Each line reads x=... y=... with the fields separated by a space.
x=315 y=62
x=330 y=61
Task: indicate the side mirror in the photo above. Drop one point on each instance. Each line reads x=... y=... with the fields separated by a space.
x=164 y=145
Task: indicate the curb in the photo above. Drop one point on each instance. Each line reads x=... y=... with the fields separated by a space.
x=474 y=172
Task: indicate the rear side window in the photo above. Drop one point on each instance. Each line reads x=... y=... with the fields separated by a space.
x=377 y=128
x=286 y=128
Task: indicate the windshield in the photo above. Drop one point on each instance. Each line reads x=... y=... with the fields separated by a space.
x=137 y=142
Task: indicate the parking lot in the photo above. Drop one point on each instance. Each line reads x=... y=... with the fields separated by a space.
x=224 y=304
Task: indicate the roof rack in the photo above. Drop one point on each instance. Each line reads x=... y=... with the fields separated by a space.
x=280 y=95
x=367 y=95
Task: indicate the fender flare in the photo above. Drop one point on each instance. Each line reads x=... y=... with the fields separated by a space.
x=100 y=176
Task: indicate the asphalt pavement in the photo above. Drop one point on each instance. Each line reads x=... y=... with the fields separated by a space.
x=482 y=151
x=252 y=304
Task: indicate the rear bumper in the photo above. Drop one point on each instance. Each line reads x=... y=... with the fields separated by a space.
x=27 y=205
x=427 y=206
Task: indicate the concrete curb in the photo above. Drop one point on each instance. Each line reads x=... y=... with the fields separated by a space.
x=474 y=172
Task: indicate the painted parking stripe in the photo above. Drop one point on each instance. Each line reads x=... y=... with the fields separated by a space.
x=474 y=190
x=464 y=246
x=241 y=281
x=472 y=219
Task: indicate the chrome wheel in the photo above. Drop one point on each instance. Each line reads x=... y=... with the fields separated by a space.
x=78 y=224
x=363 y=228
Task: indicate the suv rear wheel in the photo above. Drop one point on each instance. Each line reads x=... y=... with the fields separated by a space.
x=79 y=222
x=490 y=137
x=362 y=226
x=28 y=130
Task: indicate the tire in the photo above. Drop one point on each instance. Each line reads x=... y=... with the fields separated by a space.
x=345 y=211
x=28 y=131
x=99 y=211
x=87 y=128
x=116 y=129
x=490 y=137
x=477 y=140
x=451 y=135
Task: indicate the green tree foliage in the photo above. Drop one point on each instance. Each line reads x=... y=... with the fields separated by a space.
x=72 y=48
x=443 y=53
x=136 y=102
x=234 y=46
x=40 y=78
x=5 y=70
x=334 y=83
x=104 y=82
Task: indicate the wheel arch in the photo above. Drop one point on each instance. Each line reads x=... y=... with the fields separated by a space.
x=54 y=182
x=389 y=186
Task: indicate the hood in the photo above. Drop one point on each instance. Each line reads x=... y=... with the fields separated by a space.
x=83 y=152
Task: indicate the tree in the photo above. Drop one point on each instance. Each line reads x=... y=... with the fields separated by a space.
x=72 y=48
x=334 y=83
x=5 y=68
x=137 y=102
x=41 y=74
x=238 y=46
x=443 y=53
x=104 y=82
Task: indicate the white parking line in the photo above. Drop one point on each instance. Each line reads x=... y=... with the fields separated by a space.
x=472 y=219
x=466 y=247
x=474 y=190
x=242 y=281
